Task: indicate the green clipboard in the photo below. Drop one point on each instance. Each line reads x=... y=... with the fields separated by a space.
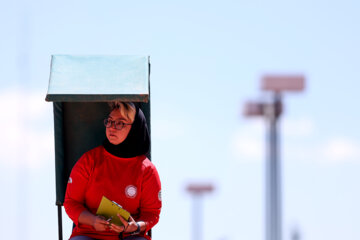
x=109 y=209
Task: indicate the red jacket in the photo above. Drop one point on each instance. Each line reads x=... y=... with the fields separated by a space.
x=134 y=183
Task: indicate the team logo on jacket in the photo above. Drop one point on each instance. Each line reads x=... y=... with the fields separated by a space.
x=131 y=191
x=159 y=195
x=70 y=180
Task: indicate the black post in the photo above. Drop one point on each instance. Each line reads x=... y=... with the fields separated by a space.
x=60 y=221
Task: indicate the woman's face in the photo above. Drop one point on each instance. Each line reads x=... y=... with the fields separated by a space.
x=114 y=135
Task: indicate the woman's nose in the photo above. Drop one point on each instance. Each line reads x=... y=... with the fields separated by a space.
x=113 y=125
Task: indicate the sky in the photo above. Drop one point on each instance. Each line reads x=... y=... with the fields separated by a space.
x=207 y=60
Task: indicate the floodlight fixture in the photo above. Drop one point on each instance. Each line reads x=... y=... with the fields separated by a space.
x=197 y=191
x=281 y=83
x=196 y=188
x=253 y=109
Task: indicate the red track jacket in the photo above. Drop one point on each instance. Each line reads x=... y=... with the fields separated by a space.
x=134 y=183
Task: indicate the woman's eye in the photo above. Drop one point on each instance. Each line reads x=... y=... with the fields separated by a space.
x=119 y=123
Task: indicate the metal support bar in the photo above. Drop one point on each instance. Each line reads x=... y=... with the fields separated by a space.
x=60 y=222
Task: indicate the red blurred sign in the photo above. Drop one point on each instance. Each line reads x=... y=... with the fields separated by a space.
x=279 y=83
x=254 y=109
x=200 y=188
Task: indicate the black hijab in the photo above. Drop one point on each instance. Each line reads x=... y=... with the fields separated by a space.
x=137 y=141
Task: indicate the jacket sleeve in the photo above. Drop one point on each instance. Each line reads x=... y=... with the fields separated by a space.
x=75 y=191
x=150 y=203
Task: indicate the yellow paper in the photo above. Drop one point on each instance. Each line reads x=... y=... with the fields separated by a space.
x=110 y=209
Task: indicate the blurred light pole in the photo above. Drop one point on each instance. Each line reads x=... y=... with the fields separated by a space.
x=295 y=235
x=198 y=191
x=271 y=111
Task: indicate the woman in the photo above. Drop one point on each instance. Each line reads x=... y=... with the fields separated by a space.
x=120 y=171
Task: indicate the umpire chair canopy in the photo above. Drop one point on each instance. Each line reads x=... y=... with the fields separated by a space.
x=80 y=88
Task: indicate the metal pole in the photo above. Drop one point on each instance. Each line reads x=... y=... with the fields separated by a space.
x=197 y=191
x=272 y=111
x=197 y=217
x=273 y=186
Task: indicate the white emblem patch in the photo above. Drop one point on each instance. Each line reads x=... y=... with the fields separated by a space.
x=131 y=191
x=159 y=195
x=70 y=180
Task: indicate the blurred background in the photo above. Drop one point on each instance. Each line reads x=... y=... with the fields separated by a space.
x=207 y=60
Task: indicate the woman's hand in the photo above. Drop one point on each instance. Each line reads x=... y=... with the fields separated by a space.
x=127 y=226
x=100 y=224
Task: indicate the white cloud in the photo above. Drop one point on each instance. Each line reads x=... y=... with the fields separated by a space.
x=247 y=143
x=340 y=149
x=331 y=151
x=300 y=127
x=27 y=129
